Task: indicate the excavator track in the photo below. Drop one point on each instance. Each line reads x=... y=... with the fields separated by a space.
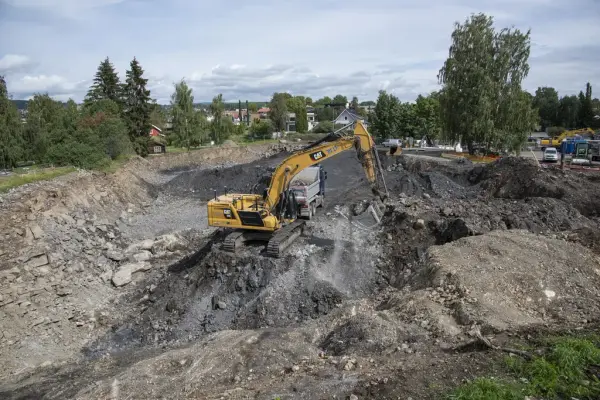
x=284 y=237
x=233 y=241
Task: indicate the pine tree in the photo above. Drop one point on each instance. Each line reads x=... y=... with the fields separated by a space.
x=137 y=107
x=247 y=114
x=106 y=84
x=11 y=139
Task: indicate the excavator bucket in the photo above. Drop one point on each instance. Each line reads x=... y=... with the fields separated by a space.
x=394 y=151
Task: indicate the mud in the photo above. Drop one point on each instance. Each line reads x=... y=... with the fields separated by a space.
x=352 y=308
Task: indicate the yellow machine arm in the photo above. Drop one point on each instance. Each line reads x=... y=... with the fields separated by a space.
x=332 y=145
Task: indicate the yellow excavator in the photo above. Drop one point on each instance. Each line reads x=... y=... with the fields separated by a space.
x=557 y=141
x=273 y=217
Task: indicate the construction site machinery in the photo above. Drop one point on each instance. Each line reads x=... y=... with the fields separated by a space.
x=273 y=216
x=309 y=189
x=557 y=141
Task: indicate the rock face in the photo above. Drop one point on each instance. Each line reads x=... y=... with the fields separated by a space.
x=66 y=253
x=125 y=272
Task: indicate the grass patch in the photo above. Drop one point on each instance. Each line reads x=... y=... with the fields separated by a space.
x=115 y=165
x=173 y=149
x=569 y=368
x=35 y=175
x=486 y=389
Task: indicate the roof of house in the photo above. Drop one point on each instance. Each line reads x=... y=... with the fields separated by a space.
x=264 y=110
x=538 y=135
x=350 y=113
x=157 y=128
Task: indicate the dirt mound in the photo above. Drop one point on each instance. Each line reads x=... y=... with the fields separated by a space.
x=509 y=280
x=245 y=178
x=248 y=290
x=516 y=178
x=229 y=143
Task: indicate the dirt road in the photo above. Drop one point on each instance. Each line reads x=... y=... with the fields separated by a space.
x=350 y=310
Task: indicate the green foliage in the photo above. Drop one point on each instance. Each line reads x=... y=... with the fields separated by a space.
x=384 y=120
x=568 y=111
x=262 y=129
x=323 y=127
x=137 y=107
x=562 y=373
x=482 y=85
x=586 y=112
x=106 y=84
x=278 y=113
x=486 y=389
x=427 y=115
x=252 y=107
x=554 y=131
x=158 y=117
x=547 y=102
x=339 y=99
x=188 y=125
x=90 y=140
x=297 y=105
x=221 y=126
x=12 y=181
x=11 y=136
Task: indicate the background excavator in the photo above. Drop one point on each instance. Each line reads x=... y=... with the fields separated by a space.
x=273 y=217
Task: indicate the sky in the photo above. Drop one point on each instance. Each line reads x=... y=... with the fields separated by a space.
x=248 y=50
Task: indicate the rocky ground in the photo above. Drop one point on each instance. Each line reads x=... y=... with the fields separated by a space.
x=114 y=287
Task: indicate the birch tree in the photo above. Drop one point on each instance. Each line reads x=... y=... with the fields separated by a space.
x=482 y=101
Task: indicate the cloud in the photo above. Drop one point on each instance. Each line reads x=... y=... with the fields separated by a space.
x=309 y=47
x=12 y=63
x=53 y=84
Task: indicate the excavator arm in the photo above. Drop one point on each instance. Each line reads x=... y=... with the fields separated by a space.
x=329 y=147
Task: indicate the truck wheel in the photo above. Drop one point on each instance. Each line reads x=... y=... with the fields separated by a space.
x=314 y=208
x=310 y=212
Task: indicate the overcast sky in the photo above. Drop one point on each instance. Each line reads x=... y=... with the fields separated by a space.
x=250 y=49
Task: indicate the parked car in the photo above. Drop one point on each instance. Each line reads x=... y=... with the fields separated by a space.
x=392 y=143
x=550 y=154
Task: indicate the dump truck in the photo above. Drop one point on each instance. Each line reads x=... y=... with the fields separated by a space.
x=309 y=189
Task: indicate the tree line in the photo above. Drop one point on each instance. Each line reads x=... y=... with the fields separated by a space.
x=481 y=102
x=114 y=121
x=567 y=112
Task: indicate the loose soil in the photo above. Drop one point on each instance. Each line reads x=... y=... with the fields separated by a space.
x=353 y=307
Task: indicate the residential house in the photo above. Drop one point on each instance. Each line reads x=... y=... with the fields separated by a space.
x=263 y=112
x=290 y=122
x=312 y=121
x=347 y=117
x=157 y=143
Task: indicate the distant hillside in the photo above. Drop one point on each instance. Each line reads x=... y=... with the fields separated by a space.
x=21 y=104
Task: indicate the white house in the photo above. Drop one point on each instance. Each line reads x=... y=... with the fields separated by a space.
x=312 y=122
x=347 y=117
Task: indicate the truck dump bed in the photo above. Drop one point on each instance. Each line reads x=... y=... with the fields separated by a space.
x=306 y=184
